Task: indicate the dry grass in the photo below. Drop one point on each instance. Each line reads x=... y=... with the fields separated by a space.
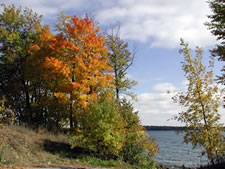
x=23 y=148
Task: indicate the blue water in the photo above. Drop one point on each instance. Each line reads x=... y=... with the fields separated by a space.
x=173 y=152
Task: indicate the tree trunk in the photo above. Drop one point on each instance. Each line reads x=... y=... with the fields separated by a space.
x=71 y=111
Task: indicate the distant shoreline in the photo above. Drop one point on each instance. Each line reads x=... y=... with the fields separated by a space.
x=176 y=128
x=179 y=128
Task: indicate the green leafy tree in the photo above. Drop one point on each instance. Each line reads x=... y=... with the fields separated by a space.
x=217 y=27
x=201 y=102
x=18 y=30
x=120 y=59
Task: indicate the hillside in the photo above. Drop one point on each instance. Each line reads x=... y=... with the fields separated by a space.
x=21 y=148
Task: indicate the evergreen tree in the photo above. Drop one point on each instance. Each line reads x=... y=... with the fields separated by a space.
x=217 y=27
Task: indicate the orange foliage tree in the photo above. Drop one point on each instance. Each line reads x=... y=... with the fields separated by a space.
x=73 y=63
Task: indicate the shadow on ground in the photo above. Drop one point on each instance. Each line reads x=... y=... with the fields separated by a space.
x=64 y=149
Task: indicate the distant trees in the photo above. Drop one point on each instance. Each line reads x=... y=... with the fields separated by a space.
x=200 y=102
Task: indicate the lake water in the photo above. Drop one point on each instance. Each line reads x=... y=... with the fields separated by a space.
x=174 y=153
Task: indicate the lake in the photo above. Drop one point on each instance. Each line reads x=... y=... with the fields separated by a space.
x=174 y=153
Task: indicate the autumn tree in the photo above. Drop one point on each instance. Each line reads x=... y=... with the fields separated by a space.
x=120 y=59
x=89 y=66
x=18 y=30
x=75 y=62
x=200 y=102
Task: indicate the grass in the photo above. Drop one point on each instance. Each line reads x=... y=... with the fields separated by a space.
x=21 y=147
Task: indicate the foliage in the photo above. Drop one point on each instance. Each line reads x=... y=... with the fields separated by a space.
x=6 y=114
x=18 y=30
x=113 y=130
x=201 y=103
x=139 y=147
x=56 y=80
x=101 y=129
x=120 y=59
x=217 y=27
x=45 y=77
x=74 y=63
x=86 y=59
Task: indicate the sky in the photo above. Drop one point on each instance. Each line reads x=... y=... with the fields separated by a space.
x=156 y=27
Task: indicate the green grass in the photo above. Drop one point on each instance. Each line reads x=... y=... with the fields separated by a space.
x=22 y=147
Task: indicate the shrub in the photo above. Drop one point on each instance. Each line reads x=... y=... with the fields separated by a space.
x=100 y=128
x=112 y=130
x=139 y=147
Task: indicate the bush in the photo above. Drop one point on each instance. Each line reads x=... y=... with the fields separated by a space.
x=112 y=130
x=139 y=147
x=100 y=128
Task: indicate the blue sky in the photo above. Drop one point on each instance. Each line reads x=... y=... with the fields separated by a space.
x=156 y=26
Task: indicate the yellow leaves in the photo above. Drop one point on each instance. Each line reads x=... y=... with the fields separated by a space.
x=34 y=48
x=57 y=65
x=201 y=101
x=83 y=101
x=61 y=96
x=89 y=62
x=46 y=34
x=71 y=45
x=73 y=64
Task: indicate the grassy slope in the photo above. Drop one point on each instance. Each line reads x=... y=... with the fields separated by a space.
x=21 y=147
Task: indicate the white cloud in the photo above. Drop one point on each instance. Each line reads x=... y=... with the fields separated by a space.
x=50 y=8
x=161 y=22
x=164 y=87
x=157 y=107
x=157 y=22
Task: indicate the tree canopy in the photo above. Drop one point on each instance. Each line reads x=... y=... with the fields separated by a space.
x=120 y=58
x=201 y=103
x=217 y=27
